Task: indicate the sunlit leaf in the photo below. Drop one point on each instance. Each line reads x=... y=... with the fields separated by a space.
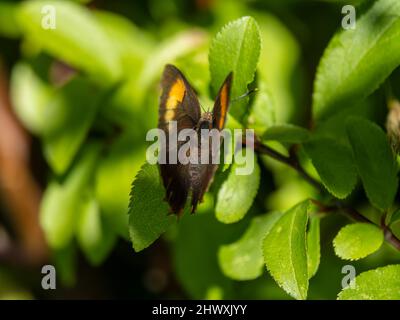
x=236 y=48
x=379 y=284
x=313 y=246
x=357 y=61
x=285 y=251
x=358 y=240
x=238 y=191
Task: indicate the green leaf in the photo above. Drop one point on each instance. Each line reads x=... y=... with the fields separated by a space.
x=334 y=164
x=237 y=192
x=345 y=73
x=72 y=111
x=95 y=238
x=379 y=284
x=235 y=48
x=62 y=203
x=374 y=160
x=285 y=251
x=286 y=133
x=243 y=259
x=114 y=178
x=357 y=240
x=30 y=96
x=313 y=246
x=148 y=212
x=76 y=39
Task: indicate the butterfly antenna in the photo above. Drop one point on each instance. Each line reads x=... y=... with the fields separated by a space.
x=245 y=95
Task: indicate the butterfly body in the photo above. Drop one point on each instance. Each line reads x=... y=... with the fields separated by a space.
x=179 y=104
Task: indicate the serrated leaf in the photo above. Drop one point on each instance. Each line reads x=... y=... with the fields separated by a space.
x=285 y=252
x=148 y=213
x=345 y=74
x=237 y=192
x=379 y=284
x=72 y=111
x=62 y=203
x=374 y=160
x=94 y=237
x=313 y=246
x=334 y=164
x=236 y=48
x=243 y=259
x=357 y=240
x=76 y=39
x=286 y=133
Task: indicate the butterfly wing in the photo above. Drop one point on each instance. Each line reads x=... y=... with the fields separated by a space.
x=221 y=105
x=178 y=103
x=203 y=174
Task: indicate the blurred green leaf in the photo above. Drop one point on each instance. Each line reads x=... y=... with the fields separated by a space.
x=334 y=164
x=30 y=96
x=148 y=213
x=286 y=133
x=313 y=246
x=379 y=284
x=114 y=178
x=62 y=203
x=95 y=238
x=76 y=39
x=72 y=110
x=285 y=252
x=374 y=160
x=237 y=192
x=235 y=48
x=357 y=240
x=243 y=259
x=357 y=61
x=9 y=26
x=125 y=36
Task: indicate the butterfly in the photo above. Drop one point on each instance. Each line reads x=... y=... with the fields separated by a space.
x=179 y=102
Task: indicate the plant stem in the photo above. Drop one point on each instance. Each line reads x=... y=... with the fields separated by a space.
x=293 y=162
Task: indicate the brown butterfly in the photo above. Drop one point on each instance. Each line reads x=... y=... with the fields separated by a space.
x=179 y=103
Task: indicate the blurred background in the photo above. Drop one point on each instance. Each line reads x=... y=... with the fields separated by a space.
x=75 y=106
